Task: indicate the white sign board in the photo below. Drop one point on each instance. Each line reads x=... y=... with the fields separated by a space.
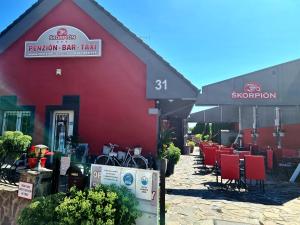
x=25 y=190
x=95 y=175
x=62 y=41
x=143 y=183
x=137 y=180
x=64 y=165
x=110 y=175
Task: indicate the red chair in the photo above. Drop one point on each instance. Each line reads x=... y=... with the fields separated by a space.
x=218 y=161
x=218 y=155
x=202 y=145
x=230 y=168
x=255 y=169
x=289 y=153
x=209 y=154
x=229 y=149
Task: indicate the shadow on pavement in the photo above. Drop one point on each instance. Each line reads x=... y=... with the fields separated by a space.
x=213 y=190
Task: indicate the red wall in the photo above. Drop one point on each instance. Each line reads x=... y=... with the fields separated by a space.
x=112 y=88
x=290 y=140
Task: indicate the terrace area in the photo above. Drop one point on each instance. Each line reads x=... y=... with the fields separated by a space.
x=193 y=198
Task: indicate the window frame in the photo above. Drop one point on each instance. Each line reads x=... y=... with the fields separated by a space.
x=19 y=114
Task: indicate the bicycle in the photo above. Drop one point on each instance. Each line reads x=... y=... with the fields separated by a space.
x=109 y=157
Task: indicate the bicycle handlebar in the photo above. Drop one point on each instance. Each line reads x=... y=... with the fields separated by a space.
x=113 y=145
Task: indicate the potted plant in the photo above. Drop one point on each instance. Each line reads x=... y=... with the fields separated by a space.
x=14 y=143
x=44 y=155
x=191 y=144
x=38 y=153
x=173 y=156
x=167 y=135
x=32 y=160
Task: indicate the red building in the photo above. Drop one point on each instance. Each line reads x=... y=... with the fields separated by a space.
x=69 y=68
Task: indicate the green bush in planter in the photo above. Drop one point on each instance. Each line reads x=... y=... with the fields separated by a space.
x=103 y=205
x=41 y=211
x=173 y=153
x=13 y=142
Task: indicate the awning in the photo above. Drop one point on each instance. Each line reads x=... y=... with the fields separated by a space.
x=176 y=108
x=221 y=114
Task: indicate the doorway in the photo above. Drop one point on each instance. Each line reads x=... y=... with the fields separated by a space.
x=62 y=129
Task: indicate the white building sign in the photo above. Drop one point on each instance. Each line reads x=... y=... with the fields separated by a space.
x=62 y=41
x=25 y=190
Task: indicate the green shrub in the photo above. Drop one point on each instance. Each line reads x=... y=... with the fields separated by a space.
x=14 y=142
x=198 y=137
x=126 y=207
x=103 y=205
x=191 y=144
x=41 y=211
x=206 y=137
x=167 y=136
x=173 y=153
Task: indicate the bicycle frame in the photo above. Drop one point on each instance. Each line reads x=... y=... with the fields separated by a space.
x=126 y=158
x=129 y=160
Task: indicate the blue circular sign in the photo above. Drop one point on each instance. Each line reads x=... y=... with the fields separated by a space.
x=128 y=179
x=144 y=181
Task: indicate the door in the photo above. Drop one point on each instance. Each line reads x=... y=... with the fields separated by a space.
x=62 y=129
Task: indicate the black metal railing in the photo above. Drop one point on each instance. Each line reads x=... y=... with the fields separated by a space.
x=10 y=168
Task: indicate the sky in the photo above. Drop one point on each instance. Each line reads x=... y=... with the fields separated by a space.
x=205 y=40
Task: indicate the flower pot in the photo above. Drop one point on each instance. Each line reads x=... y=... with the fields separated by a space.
x=187 y=150
x=32 y=162
x=170 y=168
x=43 y=162
x=191 y=149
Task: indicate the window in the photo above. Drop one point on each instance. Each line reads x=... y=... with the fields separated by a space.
x=17 y=121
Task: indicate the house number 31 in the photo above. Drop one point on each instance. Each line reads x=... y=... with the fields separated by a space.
x=161 y=85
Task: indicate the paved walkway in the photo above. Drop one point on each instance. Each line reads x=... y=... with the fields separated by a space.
x=194 y=198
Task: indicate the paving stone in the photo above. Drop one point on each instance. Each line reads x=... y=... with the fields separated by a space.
x=194 y=198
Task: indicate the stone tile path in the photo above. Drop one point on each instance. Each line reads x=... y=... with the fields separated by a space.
x=193 y=199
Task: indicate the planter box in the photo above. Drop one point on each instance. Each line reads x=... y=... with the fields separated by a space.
x=170 y=169
x=187 y=150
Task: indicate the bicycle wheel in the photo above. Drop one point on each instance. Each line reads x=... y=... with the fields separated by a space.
x=137 y=162
x=104 y=160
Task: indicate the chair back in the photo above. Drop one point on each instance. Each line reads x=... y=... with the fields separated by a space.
x=229 y=149
x=230 y=167
x=209 y=155
x=218 y=155
x=255 y=167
